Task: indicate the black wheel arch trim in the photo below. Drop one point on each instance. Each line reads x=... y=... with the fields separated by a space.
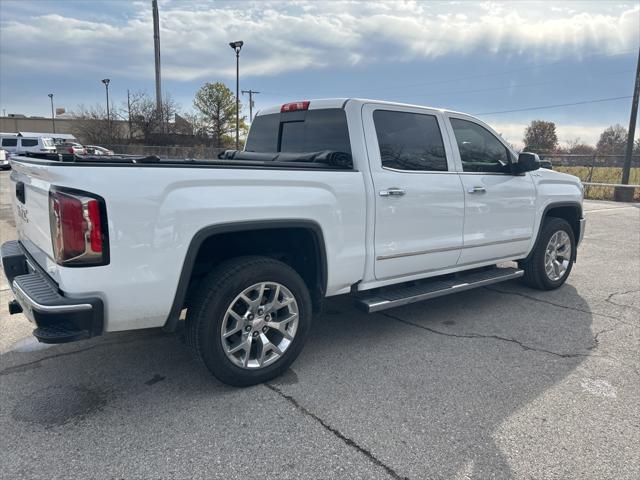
x=551 y=206
x=212 y=230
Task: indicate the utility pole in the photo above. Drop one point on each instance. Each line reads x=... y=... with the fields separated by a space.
x=156 y=46
x=129 y=111
x=53 y=117
x=625 y=194
x=251 y=94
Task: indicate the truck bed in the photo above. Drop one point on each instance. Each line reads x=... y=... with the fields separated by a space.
x=155 y=209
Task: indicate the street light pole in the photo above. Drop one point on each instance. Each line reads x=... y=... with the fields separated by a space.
x=53 y=118
x=237 y=46
x=106 y=84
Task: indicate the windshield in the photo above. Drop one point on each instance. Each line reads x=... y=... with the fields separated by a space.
x=47 y=142
x=300 y=132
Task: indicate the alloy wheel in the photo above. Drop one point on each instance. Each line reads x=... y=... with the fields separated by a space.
x=259 y=325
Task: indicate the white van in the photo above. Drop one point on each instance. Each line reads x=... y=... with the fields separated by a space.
x=16 y=143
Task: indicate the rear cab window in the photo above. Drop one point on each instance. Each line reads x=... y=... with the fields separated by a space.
x=410 y=141
x=302 y=131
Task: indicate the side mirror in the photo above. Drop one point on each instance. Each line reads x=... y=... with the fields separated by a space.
x=527 y=162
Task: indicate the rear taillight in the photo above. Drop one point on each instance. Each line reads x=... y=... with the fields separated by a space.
x=295 y=106
x=78 y=228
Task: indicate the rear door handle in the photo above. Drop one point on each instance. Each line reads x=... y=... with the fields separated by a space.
x=477 y=190
x=393 y=191
x=20 y=192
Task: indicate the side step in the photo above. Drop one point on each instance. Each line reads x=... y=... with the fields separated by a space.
x=60 y=333
x=395 y=296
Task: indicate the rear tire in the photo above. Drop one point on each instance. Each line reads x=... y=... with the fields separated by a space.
x=249 y=320
x=552 y=258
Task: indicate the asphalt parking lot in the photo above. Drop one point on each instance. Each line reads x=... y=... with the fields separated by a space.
x=501 y=382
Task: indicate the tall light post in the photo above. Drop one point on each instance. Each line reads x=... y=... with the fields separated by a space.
x=237 y=46
x=53 y=118
x=106 y=85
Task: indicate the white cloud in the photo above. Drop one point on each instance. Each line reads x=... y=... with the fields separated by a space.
x=281 y=37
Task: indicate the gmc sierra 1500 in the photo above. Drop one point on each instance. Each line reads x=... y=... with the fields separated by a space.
x=388 y=203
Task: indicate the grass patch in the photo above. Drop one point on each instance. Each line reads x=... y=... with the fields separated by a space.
x=604 y=175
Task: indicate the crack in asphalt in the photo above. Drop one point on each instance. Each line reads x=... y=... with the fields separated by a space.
x=567 y=307
x=348 y=441
x=609 y=299
x=492 y=337
x=29 y=365
x=549 y=302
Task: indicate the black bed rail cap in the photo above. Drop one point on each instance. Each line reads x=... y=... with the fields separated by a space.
x=328 y=157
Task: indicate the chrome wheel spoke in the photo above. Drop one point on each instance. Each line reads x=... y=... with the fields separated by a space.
x=265 y=348
x=244 y=344
x=282 y=326
x=557 y=255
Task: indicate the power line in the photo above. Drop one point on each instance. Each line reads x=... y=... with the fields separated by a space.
x=584 y=102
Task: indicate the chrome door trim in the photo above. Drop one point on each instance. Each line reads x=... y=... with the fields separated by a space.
x=447 y=249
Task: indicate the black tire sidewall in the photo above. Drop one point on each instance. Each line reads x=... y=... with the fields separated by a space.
x=214 y=309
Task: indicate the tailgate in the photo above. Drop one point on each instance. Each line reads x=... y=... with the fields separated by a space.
x=29 y=191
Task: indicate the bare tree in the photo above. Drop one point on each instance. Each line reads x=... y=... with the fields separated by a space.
x=93 y=126
x=577 y=147
x=613 y=141
x=146 y=123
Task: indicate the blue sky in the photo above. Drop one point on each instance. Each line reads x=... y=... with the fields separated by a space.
x=476 y=57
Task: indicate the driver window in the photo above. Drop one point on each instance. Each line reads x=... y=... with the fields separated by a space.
x=479 y=149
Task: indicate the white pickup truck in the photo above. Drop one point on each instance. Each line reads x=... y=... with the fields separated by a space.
x=385 y=202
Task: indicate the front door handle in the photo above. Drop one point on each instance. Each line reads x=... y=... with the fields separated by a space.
x=477 y=190
x=393 y=191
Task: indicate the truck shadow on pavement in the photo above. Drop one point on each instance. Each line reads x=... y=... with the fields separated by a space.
x=422 y=391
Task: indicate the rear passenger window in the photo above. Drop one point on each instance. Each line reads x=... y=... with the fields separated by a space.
x=410 y=141
x=9 y=142
x=29 y=142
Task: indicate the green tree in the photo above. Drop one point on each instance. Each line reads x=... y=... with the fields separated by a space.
x=540 y=137
x=613 y=141
x=216 y=106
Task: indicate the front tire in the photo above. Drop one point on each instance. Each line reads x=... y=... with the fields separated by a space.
x=249 y=320
x=552 y=259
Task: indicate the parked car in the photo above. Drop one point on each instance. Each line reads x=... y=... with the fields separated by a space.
x=546 y=164
x=386 y=203
x=4 y=160
x=71 y=148
x=96 y=150
x=16 y=144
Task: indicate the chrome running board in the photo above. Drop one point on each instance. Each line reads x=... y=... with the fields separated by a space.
x=411 y=292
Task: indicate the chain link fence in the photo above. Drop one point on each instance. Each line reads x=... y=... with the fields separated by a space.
x=600 y=174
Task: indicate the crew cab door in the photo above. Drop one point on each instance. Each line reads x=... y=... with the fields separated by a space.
x=419 y=201
x=499 y=206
